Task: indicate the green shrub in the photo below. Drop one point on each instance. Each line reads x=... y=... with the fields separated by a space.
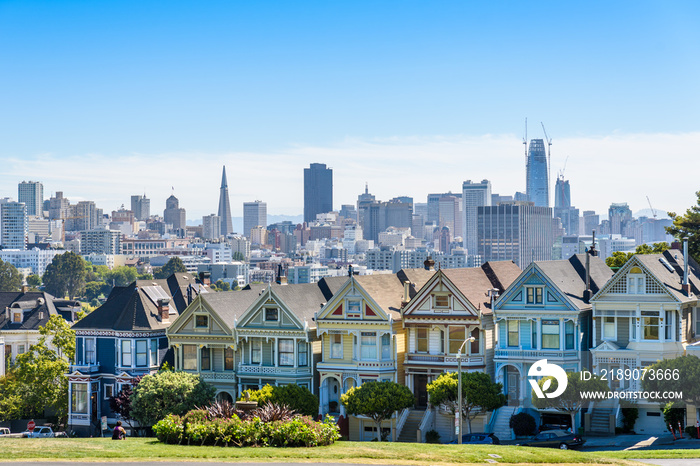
x=691 y=431
x=297 y=398
x=629 y=417
x=432 y=436
x=523 y=424
x=194 y=429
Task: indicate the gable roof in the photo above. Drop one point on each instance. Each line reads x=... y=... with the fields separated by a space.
x=387 y=290
x=302 y=299
x=569 y=276
x=230 y=305
x=672 y=280
x=474 y=282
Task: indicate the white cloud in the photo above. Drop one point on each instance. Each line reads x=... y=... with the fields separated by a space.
x=601 y=170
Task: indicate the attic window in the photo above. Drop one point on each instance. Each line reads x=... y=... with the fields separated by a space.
x=442 y=301
x=17 y=317
x=271 y=315
x=201 y=321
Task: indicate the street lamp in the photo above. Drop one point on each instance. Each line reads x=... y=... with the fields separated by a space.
x=458 y=421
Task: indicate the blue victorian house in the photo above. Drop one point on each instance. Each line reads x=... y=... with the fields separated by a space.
x=121 y=340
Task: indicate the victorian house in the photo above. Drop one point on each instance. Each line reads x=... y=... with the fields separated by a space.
x=453 y=306
x=121 y=340
x=362 y=337
x=644 y=314
x=250 y=338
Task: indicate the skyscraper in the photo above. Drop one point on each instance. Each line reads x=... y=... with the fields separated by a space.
x=211 y=227
x=517 y=231
x=173 y=214
x=474 y=195
x=318 y=191
x=32 y=194
x=13 y=225
x=225 y=206
x=537 y=174
x=563 y=209
x=254 y=215
x=562 y=193
x=141 y=207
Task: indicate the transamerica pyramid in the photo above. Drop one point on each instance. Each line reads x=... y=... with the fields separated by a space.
x=225 y=207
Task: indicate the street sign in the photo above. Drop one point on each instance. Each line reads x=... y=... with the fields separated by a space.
x=30 y=426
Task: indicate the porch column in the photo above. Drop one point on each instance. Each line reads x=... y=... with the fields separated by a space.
x=595 y=341
x=539 y=332
x=663 y=323
x=562 y=333
x=296 y=352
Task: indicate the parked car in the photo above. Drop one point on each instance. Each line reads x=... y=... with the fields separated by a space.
x=39 y=432
x=544 y=427
x=479 y=438
x=555 y=439
x=4 y=431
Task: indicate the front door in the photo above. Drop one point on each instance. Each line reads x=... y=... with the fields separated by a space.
x=513 y=388
x=421 y=390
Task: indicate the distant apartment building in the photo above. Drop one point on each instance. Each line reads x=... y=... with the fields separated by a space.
x=141 y=207
x=36 y=259
x=32 y=194
x=228 y=272
x=58 y=206
x=590 y=221
x=451 y=214
x=395 y=260
x=211 y=226
x=517 y=231
x=474 y=195
x=239 y=244
x=318 y=191
x=38 y=229
x=608 y=244
x=109 y=260
x=254 y=215
x=13 y=225
x=619 y=214
x=147 y=247
x=306 y=273
x=101 y=241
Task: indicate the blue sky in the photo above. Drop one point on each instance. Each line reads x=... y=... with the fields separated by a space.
x=106 y=99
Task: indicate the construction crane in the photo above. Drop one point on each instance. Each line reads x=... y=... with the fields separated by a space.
x=653 y=212
x=549 y=155
x=561 y=172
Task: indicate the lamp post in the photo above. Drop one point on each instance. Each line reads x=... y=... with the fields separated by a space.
x=458 y=423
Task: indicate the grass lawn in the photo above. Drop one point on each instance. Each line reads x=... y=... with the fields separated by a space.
x=136 y=449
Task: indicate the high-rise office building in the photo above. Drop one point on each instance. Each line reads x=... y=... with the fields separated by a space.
x=141 y=207
x=618 y=215
x=58 y=206
x=13 y=225
x=225 y=207
x=254 y=215
x=537 y=174
x=174 y=215
x=590 y=222
x=450 y=214
x=32 y=194
x=100 y=241
x=83 y=216
x=563 y=209
x=474 y=195
x=517 y=231
x=211 y=227
x=562 y=193
x=318 y=191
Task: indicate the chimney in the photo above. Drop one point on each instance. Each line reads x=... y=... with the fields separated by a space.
x=164 y=309
x=205 y=278
x=406 y=293
x=429 y=263
x=591 y=252
x=350 y=272
x=686 y=285
x=25 y=288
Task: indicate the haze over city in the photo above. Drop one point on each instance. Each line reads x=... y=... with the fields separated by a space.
x=412 y=98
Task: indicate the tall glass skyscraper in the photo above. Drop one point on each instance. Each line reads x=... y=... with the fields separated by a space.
x=32 y=194
x=537 y=174
x=318 y=191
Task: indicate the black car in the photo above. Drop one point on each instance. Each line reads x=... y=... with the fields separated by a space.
x=480 y=438
x=555 y=439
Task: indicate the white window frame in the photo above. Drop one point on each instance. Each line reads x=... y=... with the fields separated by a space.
x=153 y=355
x=336 y=354
x=253 y=343
x=658 y=325
x=131 y=353
x=603 y=335
x=427 y=339
x=201 y=327
x=636 y=283
x=388 y=346
x=145 y=353
x=85 y=350
x=367 y=347
x=111 y=386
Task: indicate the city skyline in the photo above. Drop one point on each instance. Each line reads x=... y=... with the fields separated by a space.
x=411 y=98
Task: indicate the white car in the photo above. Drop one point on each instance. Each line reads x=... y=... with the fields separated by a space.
x=4 y=431
x=39 y=432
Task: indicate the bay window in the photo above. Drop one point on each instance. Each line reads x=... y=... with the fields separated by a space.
x=650 y=325
x=475 y=345
x=336 y=346
x=386 y=346
x=154 y=353
x=368 y=345
x=457 y=335
x=608 y=328
x=126 y=353
x=303 y=350
x=141 y=353
x=79 y=398
x=228 y=359
x=189 y=357
x=569 y=336
x=422 y=340
x=89 y=351
x=255 y=351
x=286 y=352
x=550 y=334
x=205 y=359
x=513 y=327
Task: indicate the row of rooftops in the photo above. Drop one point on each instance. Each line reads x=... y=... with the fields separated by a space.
x=154 y=304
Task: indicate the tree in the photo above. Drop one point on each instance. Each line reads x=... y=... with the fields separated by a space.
x=167 y=392
x=145 y=276
x=94 y=290
x=222 y=285
x=121 y=402
x=619 y=258
x=300 y=399
x=34 y=281
x=377 y=400
x=65 y=275
x=174 y=265
x=571 y=400
x=686 y=369
x=121 y=276
x=656 y=248
x=688 y=226
x=479 y=394
x=238 y=256
x=10 y=278
x=37 y=380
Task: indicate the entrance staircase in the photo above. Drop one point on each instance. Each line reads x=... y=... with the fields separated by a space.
x=501 y=427
x=409 y=432
x=600 y=421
